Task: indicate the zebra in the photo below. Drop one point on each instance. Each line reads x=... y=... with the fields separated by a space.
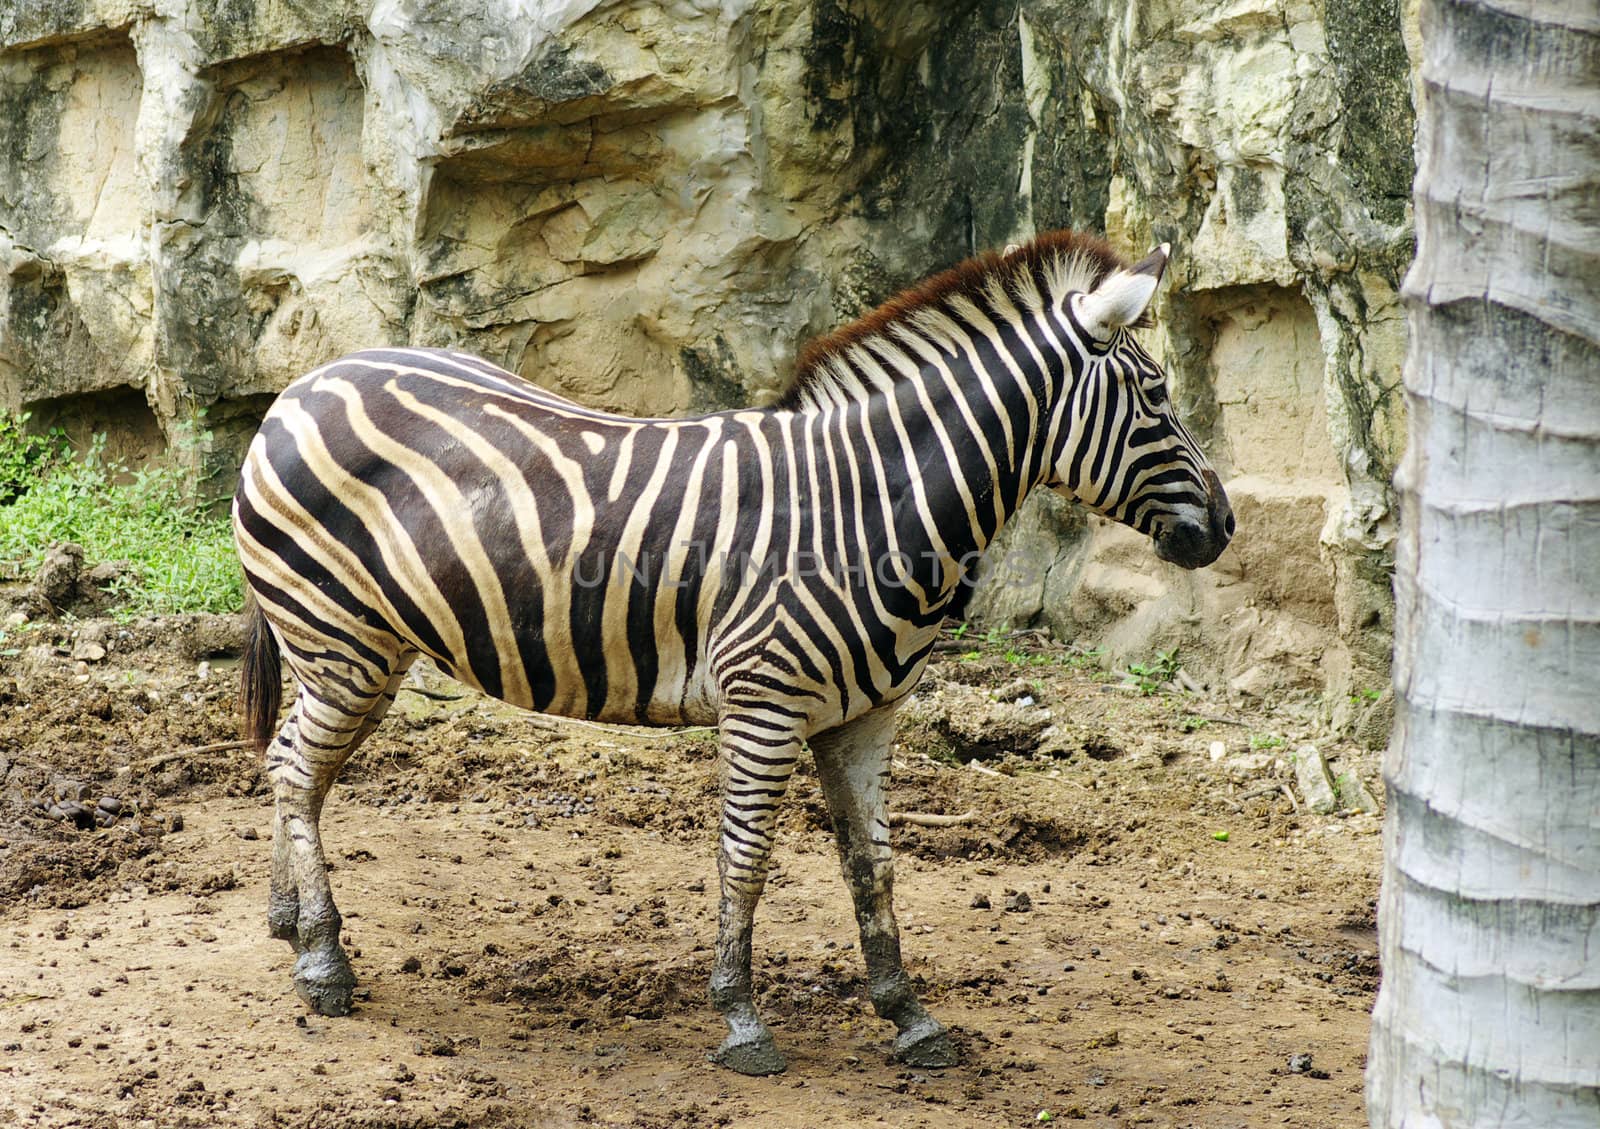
x=780 y=573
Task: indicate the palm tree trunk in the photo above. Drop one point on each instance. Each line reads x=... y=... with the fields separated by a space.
x=1489 y=1013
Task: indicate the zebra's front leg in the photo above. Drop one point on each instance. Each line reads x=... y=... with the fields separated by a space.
x=758 y=763
x=853 y=762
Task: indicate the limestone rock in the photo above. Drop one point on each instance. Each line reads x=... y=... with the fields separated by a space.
x=1311 y=774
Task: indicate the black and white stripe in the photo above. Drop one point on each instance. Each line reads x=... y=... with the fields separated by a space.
x=781 y=573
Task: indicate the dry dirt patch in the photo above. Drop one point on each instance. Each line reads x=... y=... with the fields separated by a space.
x=531 y=906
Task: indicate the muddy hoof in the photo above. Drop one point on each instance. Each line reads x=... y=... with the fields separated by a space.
x=325 y=984
x=753 y=1056
x=926 y=1045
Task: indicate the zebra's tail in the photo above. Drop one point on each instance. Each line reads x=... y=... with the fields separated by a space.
x=261 y=684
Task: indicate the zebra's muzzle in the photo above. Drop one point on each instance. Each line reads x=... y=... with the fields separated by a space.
x=1189 y=543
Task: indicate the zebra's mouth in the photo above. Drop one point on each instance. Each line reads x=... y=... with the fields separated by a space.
x=1191 y=543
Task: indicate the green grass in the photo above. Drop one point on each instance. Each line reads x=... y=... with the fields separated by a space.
x=178 y=542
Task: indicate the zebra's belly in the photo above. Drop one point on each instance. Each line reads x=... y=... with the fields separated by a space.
x=691 y=700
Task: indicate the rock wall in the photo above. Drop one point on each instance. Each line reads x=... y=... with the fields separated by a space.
x=651 y=206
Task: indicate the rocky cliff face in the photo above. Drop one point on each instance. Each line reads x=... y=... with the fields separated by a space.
x=651 y=206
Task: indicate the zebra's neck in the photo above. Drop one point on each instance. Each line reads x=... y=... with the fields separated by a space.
x=949 y=423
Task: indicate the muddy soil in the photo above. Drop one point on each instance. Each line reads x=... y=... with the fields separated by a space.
x=1133 y=928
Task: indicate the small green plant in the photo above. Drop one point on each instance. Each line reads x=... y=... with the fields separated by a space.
x=155 y=518
x=1088 y=658
x=1189 y=722
x=961 y=630
x=1265 y=741
x=1364 y=696
x=1151 y=676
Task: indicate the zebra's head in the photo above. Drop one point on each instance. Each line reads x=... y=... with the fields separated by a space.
x=1121 y=449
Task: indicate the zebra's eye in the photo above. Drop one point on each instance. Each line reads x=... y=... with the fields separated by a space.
x=1156 y=394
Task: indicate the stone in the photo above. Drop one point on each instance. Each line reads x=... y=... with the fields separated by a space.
x=56 y=582
x=86 y=651
x=105 y=574
x=1243 y=767
x=1311 y=774
x=1354 y=795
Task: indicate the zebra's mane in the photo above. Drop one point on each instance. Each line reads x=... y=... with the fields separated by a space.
x=1050 y=265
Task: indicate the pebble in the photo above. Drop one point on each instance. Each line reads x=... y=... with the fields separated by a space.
x=566 y=805
x=1018 y=902
x=980 y=901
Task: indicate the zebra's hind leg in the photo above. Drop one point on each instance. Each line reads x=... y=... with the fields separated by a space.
x=853 y=762
x=302 y=763
x=758 y=758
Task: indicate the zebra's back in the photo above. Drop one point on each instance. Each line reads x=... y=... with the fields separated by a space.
x=420 y=500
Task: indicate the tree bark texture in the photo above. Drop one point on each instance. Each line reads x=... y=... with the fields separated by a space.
x=1489 y=1012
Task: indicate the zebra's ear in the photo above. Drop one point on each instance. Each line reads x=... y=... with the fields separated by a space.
x=1124 y=295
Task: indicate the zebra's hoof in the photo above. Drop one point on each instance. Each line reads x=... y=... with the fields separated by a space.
x=325 y=983
x=926 y=1045
x=755 y=1056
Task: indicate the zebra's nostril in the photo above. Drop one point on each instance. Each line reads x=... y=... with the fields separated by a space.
x=1228 y=525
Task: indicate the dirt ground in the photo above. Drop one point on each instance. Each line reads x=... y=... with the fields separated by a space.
x=530 y=906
